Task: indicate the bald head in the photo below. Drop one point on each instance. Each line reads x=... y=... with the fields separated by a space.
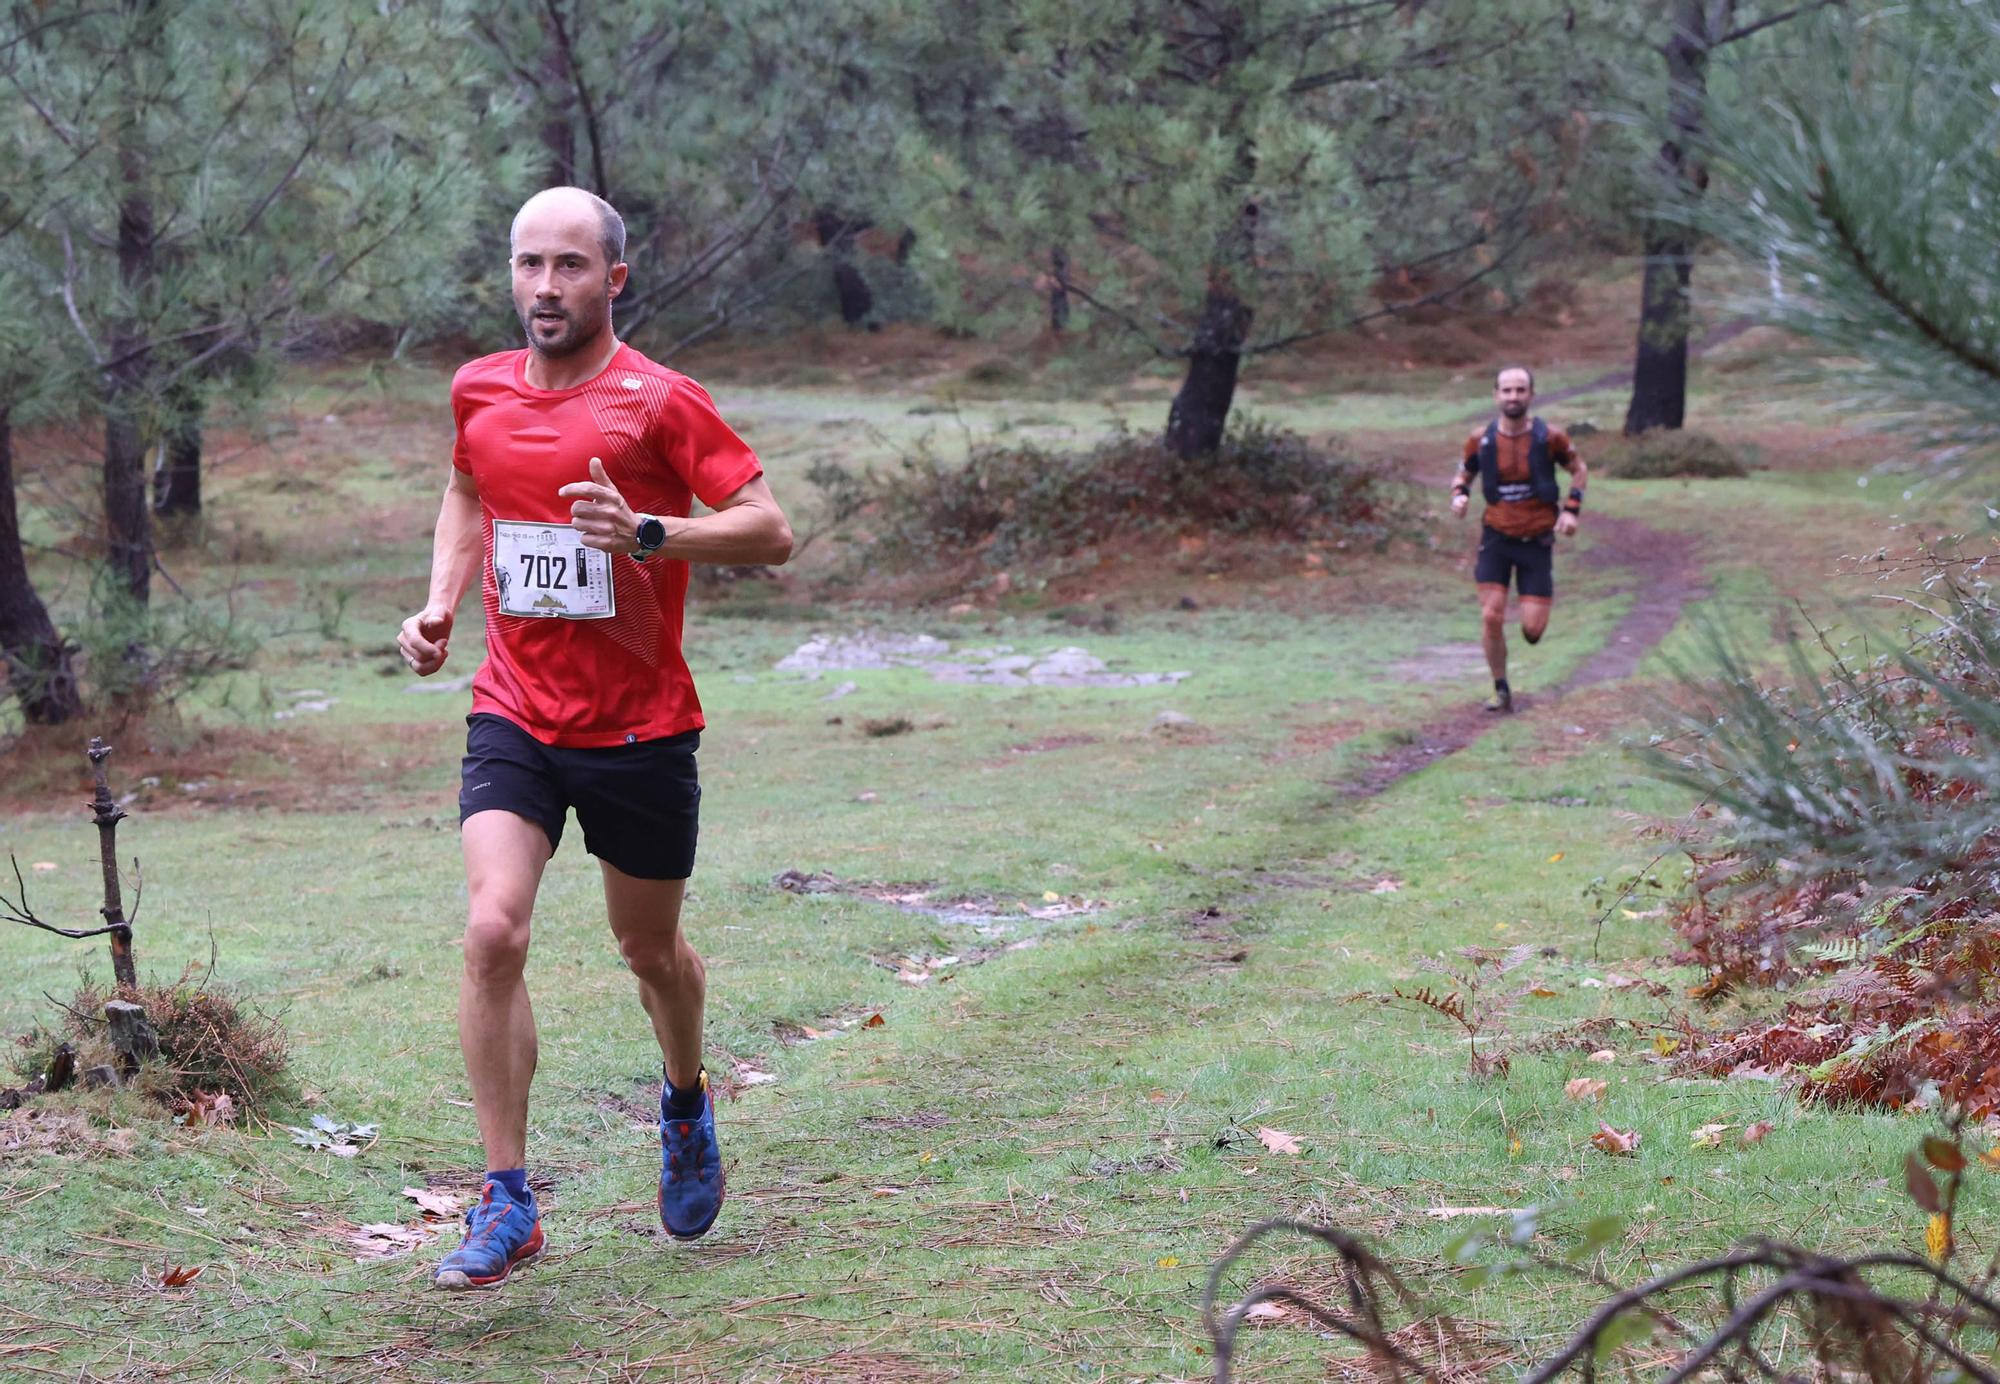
x=567 y=251
x=559 y=209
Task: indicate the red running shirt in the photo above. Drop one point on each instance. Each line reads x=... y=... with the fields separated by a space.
x=616 y=680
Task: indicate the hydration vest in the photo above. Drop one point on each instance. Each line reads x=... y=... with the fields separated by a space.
x=1541 y=482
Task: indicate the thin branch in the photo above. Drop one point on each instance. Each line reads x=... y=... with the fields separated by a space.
x=1827 y=199
x=20 y=912
x=1762 y=24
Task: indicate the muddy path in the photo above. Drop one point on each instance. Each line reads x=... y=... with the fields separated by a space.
x=1662 y=575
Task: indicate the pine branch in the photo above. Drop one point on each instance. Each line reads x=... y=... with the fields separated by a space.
x=1826 y=198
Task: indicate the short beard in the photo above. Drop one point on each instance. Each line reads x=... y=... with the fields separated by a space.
x=1513 y=410
x=568 y=342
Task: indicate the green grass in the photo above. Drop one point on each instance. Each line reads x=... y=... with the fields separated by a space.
x=1024 y=1171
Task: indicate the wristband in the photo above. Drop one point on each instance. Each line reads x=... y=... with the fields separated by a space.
x=1574 y=504
x=1461 y=490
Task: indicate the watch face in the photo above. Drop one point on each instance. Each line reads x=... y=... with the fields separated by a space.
x=652 y=533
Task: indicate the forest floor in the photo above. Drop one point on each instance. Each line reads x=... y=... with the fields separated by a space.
x=1125 y=940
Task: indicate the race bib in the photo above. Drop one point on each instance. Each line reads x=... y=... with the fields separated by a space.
x=544 y=570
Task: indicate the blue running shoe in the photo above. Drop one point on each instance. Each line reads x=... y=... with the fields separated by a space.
x=501 y=1235
x=691 y=1179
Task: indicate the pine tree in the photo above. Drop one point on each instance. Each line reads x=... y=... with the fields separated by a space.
x=1691 y=33
x=1224 y=180
x=207 y=183
x=715 y=128
x=1869 y=171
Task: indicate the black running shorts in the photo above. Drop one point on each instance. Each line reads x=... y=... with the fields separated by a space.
x=637 y=804
x=1531 y=562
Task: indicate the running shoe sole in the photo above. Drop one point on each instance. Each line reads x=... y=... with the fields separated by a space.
x=459 y=1281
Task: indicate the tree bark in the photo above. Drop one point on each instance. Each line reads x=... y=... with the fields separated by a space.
x=108 y=815
x=37 y=660
x=1058 y=289
x=177 y=478
x=558 y=128
x=128 y=536
x=1200 y=414
x=1659 y=368
x=850 y=287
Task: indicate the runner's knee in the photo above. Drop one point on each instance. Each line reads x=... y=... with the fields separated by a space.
x=496 y=946
x=1532 y=633
x=659 y=959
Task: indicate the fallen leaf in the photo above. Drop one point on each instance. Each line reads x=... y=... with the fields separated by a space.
x=1051 y=896
x=437 y=1205
x=1605 y=1055
x=1266 y=1312
x=1618 y=982
x=1754 y=1134
x=886 y=1191
x=386 y=1240
x=1385 y=886
x=1665 y=1046
x=1709 y=1136
x=1171 y=1261
x=747 y=1077
x=914 y=977
x=1557 y=856
x=874 y=1021
x=1585 y=1088
x=1277 y=1141
x=1542 y=992
x=172 y=1276
x=1615 y=1141
x=1991 y=1158
x=1514 y=1147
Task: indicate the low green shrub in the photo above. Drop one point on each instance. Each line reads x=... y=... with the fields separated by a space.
x=1011 y=501
x=1663 y=452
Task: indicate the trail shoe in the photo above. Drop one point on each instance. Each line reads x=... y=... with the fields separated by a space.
x=691 y=1178
x=501 y=1235
x=1501 y=702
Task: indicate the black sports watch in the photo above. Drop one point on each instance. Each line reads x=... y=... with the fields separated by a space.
x=651 y=537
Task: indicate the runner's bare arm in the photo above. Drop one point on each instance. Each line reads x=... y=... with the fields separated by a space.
x=455 y=550
x=1579 y=477
x=747 y=527
x=1461 y=482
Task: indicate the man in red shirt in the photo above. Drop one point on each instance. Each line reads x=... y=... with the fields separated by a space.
x=1514 y=457
x=568 y=498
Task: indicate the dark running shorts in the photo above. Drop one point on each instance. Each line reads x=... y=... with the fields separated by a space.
x=637 y=804
x=1530 y=561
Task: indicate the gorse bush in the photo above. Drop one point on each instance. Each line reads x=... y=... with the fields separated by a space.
x=1008 y=502
x=1857 y=860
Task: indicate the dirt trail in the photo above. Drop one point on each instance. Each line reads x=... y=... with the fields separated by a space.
x=1664 y=577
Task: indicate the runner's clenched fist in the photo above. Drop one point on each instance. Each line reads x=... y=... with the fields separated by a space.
x=425 y=640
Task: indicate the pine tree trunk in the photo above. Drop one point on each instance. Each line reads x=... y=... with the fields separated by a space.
x=1659 y=368
x=1200 y=414
x=177 y=478
x=1058 y=289
x=1660 y=371
x=37 y=660
x=558 y=127
x=850 y=287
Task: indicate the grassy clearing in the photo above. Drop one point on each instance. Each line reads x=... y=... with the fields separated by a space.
x=1026 y=1168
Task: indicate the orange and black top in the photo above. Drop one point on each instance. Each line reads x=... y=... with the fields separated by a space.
x=1512 y=506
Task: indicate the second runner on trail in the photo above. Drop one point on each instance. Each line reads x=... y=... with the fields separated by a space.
x=1514 y=457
